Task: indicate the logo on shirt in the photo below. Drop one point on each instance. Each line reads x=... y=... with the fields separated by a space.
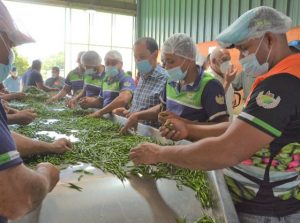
x=267 y=100
x=127 y=84
x=190 y=95
x=220 y=99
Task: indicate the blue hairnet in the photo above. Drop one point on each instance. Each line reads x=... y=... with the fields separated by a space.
x=254 y=24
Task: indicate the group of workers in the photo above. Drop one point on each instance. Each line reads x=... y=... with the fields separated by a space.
x=186 y=101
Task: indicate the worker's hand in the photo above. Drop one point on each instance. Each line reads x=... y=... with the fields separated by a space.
x=25 y=117
x=132 y=123
x=71 y=103
x=121 y=112
x=50 y=172
x=4 y=91
x=165 y=115
x=60 y=146
x=5 y=106
x=145 y=153
x=89 y=102
x=230 y=75
x=51 y=100
x=174 y=129
x=18 y=96
x=96 y=114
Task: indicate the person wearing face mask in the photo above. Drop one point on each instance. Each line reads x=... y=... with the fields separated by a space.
x=22 y=189
x=91 y=96
x=151 y=82
x=260 y=149
x=73 y=83
x=222 y=69
x=33 y=77
x=190 y=94
x=118 y=87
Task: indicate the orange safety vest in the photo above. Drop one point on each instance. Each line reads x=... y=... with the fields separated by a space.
x=289 y=65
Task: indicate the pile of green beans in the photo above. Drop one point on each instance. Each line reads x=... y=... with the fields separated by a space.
x=101 y=145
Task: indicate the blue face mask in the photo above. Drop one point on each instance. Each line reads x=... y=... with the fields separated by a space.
x=5 y=69
x=144 y=67
x=112 y=71
x=252 y=67
x=176 y=74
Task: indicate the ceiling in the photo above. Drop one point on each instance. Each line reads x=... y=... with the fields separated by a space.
x=127 y=7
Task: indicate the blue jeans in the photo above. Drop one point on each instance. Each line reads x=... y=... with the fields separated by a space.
x=249 y=218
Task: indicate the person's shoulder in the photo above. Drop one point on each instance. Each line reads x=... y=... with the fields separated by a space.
x=74 y=71
x=125 y=76
x=286 y=77
x=281 y=81
x=35 y=72
x=50 y=79
x=160 y=72
x=8 y=79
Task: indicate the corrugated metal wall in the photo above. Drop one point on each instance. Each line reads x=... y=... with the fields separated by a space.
x=203 y=20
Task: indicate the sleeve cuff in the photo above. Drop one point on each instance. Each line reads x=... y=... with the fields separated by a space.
x=260 y=124
x=222 y=113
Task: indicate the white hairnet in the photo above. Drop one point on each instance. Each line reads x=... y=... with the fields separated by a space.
x=91 y=58
x=8 y=26
x=181 y=45
x=254 y=24
x=113 y=55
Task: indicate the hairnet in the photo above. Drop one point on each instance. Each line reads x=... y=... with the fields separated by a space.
x=91 y=58
x=254 y=24
x=113 y=55
x=8 y=26
x=181 y=45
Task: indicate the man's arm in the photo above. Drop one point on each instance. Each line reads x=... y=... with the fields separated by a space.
x=66 y=89
x=149 y=114
x=121 y=101
x=22 y=189
x=238 y=143
x=177 y=129
x=27 y=146
x=12 y=96
x=23 y=117
x=43 y=87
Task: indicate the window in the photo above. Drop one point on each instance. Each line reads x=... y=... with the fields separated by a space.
x=59 y=29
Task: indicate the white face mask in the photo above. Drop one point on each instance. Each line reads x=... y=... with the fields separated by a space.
x=252 y=67
x=225 y=66
x=90 y=71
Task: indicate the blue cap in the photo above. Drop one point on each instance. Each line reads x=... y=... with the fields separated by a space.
x=254 y=24
x=295 y=44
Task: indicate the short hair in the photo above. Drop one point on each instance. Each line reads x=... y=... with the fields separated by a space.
x=36 y=64
x=151 y=44
x=56 y=69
